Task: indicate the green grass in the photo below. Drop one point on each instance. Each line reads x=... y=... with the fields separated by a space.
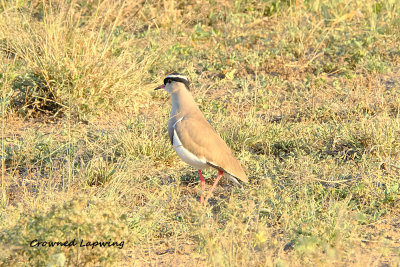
x=306 y=93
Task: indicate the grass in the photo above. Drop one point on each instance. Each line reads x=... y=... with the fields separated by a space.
x=306 y=93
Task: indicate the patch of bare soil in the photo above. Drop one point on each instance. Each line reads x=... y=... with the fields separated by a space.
x=384 y=234
x=165 y=253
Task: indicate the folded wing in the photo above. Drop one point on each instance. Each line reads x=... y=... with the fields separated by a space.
x=199 y=138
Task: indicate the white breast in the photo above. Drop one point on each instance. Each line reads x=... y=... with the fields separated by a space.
x=187 y=156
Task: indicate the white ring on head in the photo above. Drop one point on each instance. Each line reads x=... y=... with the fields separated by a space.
x=177 y=76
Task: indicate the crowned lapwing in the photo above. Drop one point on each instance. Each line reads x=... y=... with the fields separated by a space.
x=193 y=138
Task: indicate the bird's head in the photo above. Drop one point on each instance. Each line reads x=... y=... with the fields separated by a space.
x=173 y=82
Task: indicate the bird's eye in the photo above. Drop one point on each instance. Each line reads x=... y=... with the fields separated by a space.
x=168 y=81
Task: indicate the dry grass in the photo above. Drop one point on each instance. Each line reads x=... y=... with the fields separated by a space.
x=306 y=93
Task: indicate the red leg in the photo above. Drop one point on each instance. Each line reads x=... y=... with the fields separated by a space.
x=220 y=173
x=203 y=186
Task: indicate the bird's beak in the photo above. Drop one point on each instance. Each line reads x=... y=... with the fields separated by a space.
x=160 y=87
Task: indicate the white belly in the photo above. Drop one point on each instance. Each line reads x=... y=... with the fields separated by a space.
x=187 y=156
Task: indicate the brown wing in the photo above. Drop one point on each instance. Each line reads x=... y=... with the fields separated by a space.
x=199 y=137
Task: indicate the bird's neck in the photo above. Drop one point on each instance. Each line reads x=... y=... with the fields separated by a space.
x=182 y=102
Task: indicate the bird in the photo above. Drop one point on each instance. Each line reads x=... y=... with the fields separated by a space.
x=194 y=139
